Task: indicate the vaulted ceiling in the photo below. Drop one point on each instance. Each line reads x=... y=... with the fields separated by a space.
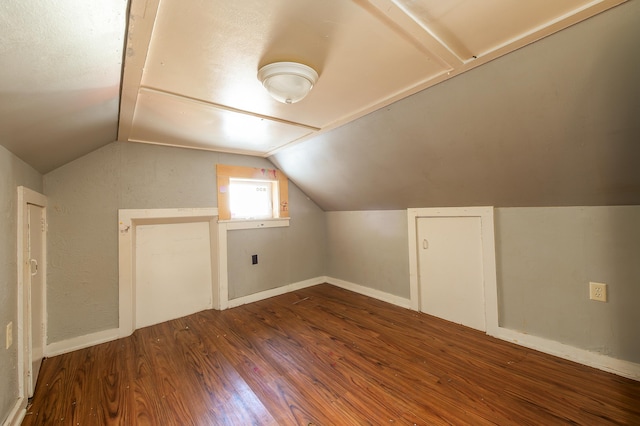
x=541 y=125
x=60 y=77
x=190 y=71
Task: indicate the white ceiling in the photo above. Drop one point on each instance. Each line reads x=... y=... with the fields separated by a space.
x=189 y=72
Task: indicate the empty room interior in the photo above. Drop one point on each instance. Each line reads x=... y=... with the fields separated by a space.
x=320 y=212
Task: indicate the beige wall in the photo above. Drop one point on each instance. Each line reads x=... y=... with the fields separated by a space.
x=84 y=198
x=13 y=173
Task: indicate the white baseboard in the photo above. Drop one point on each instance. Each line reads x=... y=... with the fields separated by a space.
x=17 y=413
x=81 y=342
x=370 y=292
x=274 y=292
x=620 y=367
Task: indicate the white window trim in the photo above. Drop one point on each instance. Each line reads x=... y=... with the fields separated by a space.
x=236 y=224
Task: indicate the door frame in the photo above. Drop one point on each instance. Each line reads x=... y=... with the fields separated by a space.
x=28 y=196
x=488 y=256
x=128 y=220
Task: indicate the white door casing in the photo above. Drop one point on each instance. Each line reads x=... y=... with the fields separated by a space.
x=128 y=222
x=32 y=289
x=488 y=295
x=35 y=292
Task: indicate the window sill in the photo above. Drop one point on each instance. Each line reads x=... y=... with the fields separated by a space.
x=236 y=224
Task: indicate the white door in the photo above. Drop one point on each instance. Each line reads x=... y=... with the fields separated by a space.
x=35 y=293
x=173 y=271
x=451 y=284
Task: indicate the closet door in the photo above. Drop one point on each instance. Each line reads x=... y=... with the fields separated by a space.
x=173 y=271
x=451 y=284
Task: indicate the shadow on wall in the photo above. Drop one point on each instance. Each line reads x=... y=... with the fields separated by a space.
x=612 y=108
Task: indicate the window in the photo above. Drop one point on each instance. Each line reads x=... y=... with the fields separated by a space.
x=253 y=199
x=247 y=193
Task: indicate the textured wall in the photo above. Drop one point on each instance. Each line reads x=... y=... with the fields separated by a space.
x=13 y=173
x=84 y=198
x=552 y=124
x=370 y=248
x=546 y=258
x=285 y=255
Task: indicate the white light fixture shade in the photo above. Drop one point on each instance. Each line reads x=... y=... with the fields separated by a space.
x=287 y=82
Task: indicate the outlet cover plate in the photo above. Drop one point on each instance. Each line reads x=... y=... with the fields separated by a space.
x=598 y=291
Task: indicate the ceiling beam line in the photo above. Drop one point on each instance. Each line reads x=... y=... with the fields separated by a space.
x=223 y=107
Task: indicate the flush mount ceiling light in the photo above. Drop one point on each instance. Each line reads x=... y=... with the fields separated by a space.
x=287 y=82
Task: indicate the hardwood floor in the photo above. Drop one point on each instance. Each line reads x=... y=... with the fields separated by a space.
x=322 y=356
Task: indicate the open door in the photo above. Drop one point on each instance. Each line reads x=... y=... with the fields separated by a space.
x=35 y=293
x=32 y=300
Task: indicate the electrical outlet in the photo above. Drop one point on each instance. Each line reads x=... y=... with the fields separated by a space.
x=9 y=334
x=598 y=291
x=254 y=259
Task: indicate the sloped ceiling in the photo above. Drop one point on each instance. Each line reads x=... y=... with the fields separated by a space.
x=549 y=124
x=60 y=77
x=190 y=70
x=556 y=123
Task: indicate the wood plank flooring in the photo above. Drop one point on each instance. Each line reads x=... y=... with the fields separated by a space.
x=322 y=356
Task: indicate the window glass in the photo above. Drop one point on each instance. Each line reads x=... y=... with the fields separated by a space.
x=246 y=193
x=252 y=199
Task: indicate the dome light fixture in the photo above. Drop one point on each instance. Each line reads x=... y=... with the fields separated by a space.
x=287 y=82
